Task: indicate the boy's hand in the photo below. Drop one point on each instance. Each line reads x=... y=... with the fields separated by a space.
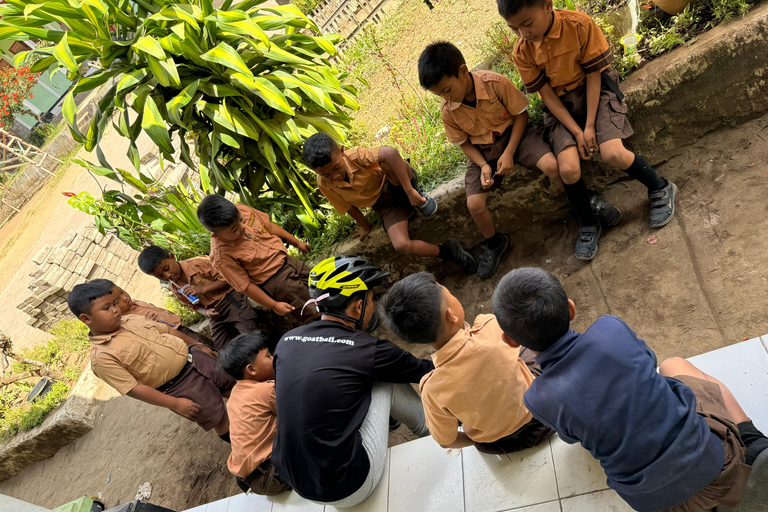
x=186 y=408
x=506 y=164
x=362 y=231
x=486 y=179
x=581 y=143
x=208 y=350
x=591 y=140
x=303 y=247
x=282 y=308
x=191 y=289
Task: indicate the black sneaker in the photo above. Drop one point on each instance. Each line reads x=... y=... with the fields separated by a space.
x=662 y=205
x=489 y=259
x=606 y=213
x=586 y=246
x=458 y=254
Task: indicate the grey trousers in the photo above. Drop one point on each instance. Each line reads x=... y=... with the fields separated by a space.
x=402 y=403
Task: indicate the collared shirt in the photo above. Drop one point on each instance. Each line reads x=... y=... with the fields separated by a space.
x=324 y=373
x=254 y=257
x=139 y=352
x=252 y=425
x=574 y=47
x=479 y=380
x=601 y=389
x=363 y=184
x=139 y=307
x=200 y=272
x=498 y=101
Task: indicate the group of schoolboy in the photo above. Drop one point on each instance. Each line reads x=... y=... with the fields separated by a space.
x=675 y=439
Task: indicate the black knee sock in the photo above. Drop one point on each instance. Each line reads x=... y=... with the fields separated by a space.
x=754 y=440
x=645 y=174
x=495 y=241
x=579 y=197
x=225 y=438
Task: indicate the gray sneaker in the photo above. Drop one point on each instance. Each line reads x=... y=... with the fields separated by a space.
x=429 y=208
x=586 y=245
x=606 y=213
x=662 y=205
x=489 y=259
x=460 y=256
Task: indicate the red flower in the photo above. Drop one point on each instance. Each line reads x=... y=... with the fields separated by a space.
x=14 y=95
x=69 y=194
x=31 y=95
x=2 y=124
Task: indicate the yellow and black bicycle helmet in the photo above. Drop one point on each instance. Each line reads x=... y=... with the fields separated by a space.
x=334 y=280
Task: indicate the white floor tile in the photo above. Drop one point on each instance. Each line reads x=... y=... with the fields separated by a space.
x=292 y=502
x=764 y=339
x=377 y=502
x=493 y=483
x=218 y=506
x=576 y=470
x=201 y=508
x=249 y=503
x=603 y=501
x=425 y=477
x=552 y=506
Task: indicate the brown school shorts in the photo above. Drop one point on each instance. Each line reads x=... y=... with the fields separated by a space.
x=291 y=284
x=233 y=319
x=263 y=480
x=532 y=147
x=726 y=488
x=610 y=123
x=393 y=205
x=204 y=383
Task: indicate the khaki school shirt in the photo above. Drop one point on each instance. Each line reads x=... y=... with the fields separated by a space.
x=139 y=307
x=362 y=187
x=479 y=380
x=252 y=425
x=254 y=257
x=498 y=102
x=573 y=47
x=140 y=352
x=200 y=272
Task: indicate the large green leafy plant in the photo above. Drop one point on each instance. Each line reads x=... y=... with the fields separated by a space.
x=244 y=85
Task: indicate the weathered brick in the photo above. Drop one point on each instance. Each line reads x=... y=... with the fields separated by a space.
x=54 y=253
x=45 y=307
x=68 y=239
x=98 y=252
x=39 y=271
x=42 y=254
x=47 y=293
x=107 y=263
x=74 y=243
x=36 y=301
x=83 y=268
x=31 y=321
x=106 y=240
x=63 y=278
x=68 y=258
x=71 y=282
x=62 y=307
x=55 y=275
x=84 y=247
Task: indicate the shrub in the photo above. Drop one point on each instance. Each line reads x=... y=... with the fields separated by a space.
x=15 y=87
x=28 y=416
x=188 y=316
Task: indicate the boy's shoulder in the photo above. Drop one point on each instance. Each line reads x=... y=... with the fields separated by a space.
x=363 y=156
x=197 y=264
x=491 y=76
x=576 y=17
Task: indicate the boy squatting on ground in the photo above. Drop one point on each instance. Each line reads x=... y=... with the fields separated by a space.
x=149 y=360
x=675 y=440
x=252 y=414
x=229 y=311
x=248 y=250
x=378 y=178
x=565 y=57
x=477 y=379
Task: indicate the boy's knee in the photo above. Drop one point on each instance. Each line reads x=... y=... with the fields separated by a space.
x=570 y=172
x=402 y=246
x=617 y=156
x=672 y=366
x=548 y=165
x=476 y=204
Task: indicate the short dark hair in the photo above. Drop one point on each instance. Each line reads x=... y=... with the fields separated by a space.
x=151 y=257
x=240 y=352
x=80 y=299
x=413 y=308
x=438 y=60
x=361 y=295
x=532 y=308
x=216 y=211
x=318 y=149
x=508 y=8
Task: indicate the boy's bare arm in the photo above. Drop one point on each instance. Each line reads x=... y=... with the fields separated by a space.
x=593 y=99
x=392 y=163
x=556 y=107
x=182 y=406
x=507 y=159
x=191 y=341
x=255 y=293
x=364 y=227
x=287 y=237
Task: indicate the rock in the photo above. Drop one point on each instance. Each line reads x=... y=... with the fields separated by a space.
x=144 y=492
x=383 y=132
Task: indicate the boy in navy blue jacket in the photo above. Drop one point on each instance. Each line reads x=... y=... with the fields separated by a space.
x=674 y=440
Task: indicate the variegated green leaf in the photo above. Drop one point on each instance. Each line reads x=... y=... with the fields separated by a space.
x=266 y=90
x=226 y=56
x=154 y=124
x=150 y=46
x=180 y=101
x=63 y=54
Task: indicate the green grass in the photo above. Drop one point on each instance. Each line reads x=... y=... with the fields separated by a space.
x=27 y=416
x=188 y=316
x=69 y=337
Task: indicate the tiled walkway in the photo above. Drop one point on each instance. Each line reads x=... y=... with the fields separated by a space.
x=555 y=477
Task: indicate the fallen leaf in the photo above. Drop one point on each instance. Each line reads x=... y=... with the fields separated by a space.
x=652 y=240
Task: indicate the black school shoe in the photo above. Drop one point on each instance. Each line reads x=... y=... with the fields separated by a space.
x=606 y=213
x=586 y=246
x=490 y=258
x=459 y=255
x=662 y=205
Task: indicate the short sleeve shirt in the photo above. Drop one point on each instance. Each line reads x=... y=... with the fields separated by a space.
x=139 y=307
x=200 y=272
x=498 y=102
x=254 y=257
x=252 y=425
x=479 y=380
x=574 y=47
x=363 y=184
x=140 y=352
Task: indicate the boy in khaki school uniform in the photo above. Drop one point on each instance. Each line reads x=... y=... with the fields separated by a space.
x=228 y=310
x=485 y=114
x=381 y=179
x=565 y=57
x=248 y=250
x=477 y=380
x=150 y=361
